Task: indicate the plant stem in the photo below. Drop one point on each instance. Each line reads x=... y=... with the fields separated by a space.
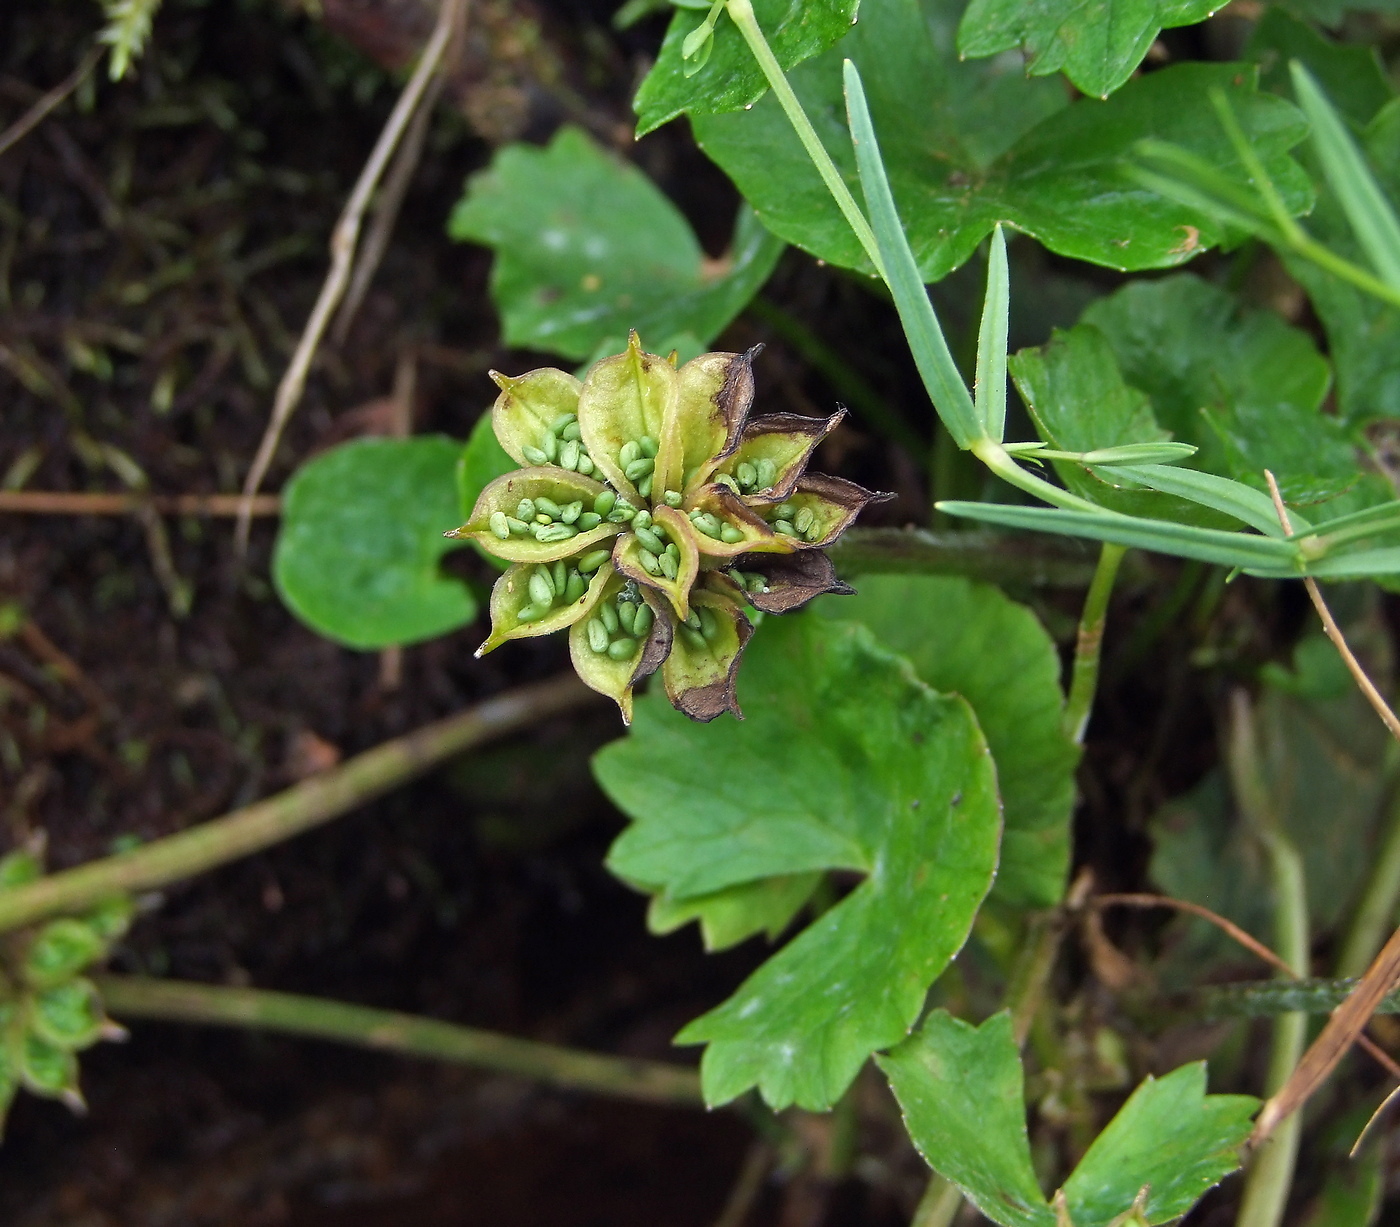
x=741 y=11
x=1270 y=1175
x=297 y=809
x=995 y=457
x=939 y=1205
x=1375 y=917
x=1088 y=648
x=406 y=1034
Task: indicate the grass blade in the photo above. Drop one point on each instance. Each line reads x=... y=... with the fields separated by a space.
x=989 y=391
x=1244 y=503
x=921 y=328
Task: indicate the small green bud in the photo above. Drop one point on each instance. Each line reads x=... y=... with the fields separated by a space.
x=650 y=563
x=48 y=1069
x=588 y=521
x=570 y=512
x=642 y=519
x=19 y=868
x=629 y=454
x=605 y=502
x=500 y=525
x=598 y=637
x=67 y=1015
x=649 y=538
x=622 y=649
x=594 y=559
x=649 y=446
x=534 y=455
x=61 y=949
x=607 y=611
x=639 y=468
x=672 y=498
x=730 y=535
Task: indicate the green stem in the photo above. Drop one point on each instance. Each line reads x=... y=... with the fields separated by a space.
x=299 y=808
x=1088 y=648
x=939 y=1205
x=1260 y=998
x=741 y=11
x=131 y=997
x=1310 y=249
x=1375 y=917
x=1270 y=1174
x=995 y=457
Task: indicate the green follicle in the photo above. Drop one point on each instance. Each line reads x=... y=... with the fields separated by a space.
x=555 y=584
x=791 y=520
x=561 y=444
x=701 y=628
x=619 y=626
x=751 y=476
x=710 y=525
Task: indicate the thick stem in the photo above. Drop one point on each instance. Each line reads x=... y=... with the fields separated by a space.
x=1088 y=648
x=130 y=997
x=299 y=808
x=741 y=11
x=1375 y=917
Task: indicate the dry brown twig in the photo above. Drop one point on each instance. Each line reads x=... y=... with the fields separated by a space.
x=1345 y=1026
x=75 y=503
x=344 y=240
x=36 y=114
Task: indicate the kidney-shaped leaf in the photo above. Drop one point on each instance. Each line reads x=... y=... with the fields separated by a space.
x=587 y=248
x=968 y=145
x=970 y=639
x=358 y=554
x=1096 y=45
x=845 y=760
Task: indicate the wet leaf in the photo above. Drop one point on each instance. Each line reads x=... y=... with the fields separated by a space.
x=587 y=247
x=845 y=760
x=968 y=145
x=359 y=551
x=731 y=78
x=1096 y=45
x=970 y=639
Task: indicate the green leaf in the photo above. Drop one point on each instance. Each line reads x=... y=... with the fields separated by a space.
x=991 y=341
x=968 y=145
x=358 y=554
x=1351 y=73
x=961 y=1090
x=970 y=639
x=587 y=247
x=731 y=79
x=1239 y=383
x=736 y=913
x=962 y=1094
x=845 y=761
x=1096 y=43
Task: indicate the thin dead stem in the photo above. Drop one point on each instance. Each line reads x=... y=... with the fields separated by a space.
x=344 y=240
x=64 y=502
x=36 y=114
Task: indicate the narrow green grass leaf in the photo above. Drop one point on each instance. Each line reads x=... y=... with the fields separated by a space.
x=1234 y=498
x=1366 y=206
x=990 y=389
x=926 y=341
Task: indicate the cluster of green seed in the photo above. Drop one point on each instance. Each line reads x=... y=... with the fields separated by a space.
x=712 y=526
x=619 y=625
x=750 y=581
x=790 y=520
x=701 y=628
x=548 y=522
x=659 y=555
x=749 y=477
x=638 y=462
x=552 y=584
x=562 y=445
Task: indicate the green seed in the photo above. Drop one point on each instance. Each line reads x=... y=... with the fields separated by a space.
x=674 y=550
x=626 y=615
x=670 y=568
x=585 y=464
x=730 y=535
x=755 y=582
x=550 y=533
x=650 y=563
x=814 y=533
x=622 y=649
x=530 y=613
x=629 y=453
x=644 y=486
x=648 y=445
x=570 y=512
x=598 y=636
x=541 y=587
x=746 y=474
x=559 y=575
x=500 y=525
x=694 y=638
x=548 y=507
x=607 y=611
x=594 y=559
x=709 y=622
x=804 y=519
x=571 y=432
x=703 y=525
x=605 y=502
x=534 y=455
x=525 y=510
x=556 y=427
x=783 y=511
x=549 y=445
x=517 y=527
x=641 y=624
x=642 y=519
x=639 y=468
x=692 y=619
x=648 y=538
x=672 y=498
x=574 y=588
x=783 y=527
x=588 y=521
x=765 y=473
x=620 y=515
x=569 y=453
